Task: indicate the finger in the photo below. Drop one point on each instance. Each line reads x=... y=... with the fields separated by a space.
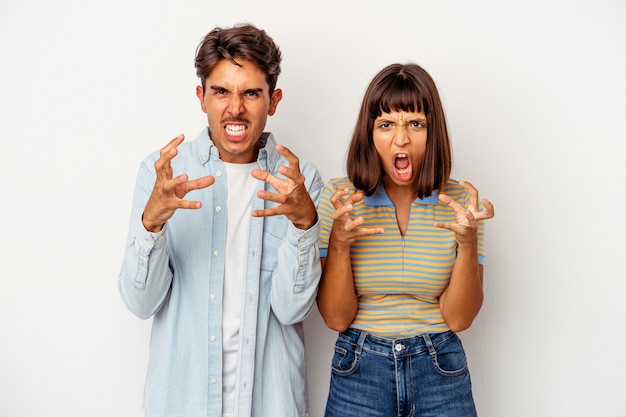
x=470 y=218
x=181 y=186
x=291 y=173
x=371 y=230
x=356 y=197
x=489 y=211
x=337 y=198
x=260 y=175
x=265 y=176
x=441 y=225
x=173 y=183
x=473 y=192
x=175 y=142
x=274 y=197
x=353 y=224
x=342 y=211
x=294 y=162
x=450 y=202
x=188 y=204
x=274 y=211
x=200 y=183
x=167 y=153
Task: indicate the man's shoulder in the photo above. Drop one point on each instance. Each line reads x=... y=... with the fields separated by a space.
x=186 y=149
x=270 y=147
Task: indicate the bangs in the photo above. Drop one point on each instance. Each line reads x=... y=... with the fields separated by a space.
x=398 y=93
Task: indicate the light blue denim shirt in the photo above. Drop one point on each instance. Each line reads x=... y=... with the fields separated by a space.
x=176 y=277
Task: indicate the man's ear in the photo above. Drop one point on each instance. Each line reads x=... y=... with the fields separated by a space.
x=200 y=95
x=277 y=96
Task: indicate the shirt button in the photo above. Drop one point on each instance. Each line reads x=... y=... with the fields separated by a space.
x=216 y=253
x=212 y=296
x=213 y=381
x=218 y=209
x=213 y=338
x=218 y=174
x=301 y=240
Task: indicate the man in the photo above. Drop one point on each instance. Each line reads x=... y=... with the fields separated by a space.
x=222 y=248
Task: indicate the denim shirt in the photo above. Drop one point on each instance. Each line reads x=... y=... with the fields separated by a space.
x=176 y=277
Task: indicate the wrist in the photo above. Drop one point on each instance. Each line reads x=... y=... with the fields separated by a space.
x=306 y=224
x=151 y=226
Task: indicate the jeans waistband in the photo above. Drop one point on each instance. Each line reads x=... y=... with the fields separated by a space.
x=395 y=347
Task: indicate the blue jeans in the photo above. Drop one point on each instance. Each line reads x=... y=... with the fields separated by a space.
x=423 y=376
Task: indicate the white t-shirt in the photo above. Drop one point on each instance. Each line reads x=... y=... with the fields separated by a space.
x=241 y=188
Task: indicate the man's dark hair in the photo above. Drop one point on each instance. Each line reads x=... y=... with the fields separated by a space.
x=240 y=42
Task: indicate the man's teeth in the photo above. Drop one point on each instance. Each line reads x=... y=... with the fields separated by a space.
x=235 y=130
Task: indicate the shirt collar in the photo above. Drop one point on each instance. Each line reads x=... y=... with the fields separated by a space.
x=380 y=198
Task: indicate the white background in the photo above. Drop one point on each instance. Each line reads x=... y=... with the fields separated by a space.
x=535 y=97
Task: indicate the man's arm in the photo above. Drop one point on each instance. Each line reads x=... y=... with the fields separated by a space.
x=294 y=287
x=145 y=277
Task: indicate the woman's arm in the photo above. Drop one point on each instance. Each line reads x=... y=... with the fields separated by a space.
x=461 y=301
x=337 y=300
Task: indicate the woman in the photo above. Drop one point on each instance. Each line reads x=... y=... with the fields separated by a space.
x=402 y=254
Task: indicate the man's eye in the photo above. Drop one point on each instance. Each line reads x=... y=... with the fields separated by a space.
x=252 y=93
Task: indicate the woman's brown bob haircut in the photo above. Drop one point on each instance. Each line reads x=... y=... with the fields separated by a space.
x=407 y=88
x=240 y=42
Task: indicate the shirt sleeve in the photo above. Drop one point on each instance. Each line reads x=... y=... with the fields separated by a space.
x=145 y=277
x=299 y=270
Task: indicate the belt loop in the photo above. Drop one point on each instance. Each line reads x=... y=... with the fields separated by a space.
x=429 y=344
x=360 y=342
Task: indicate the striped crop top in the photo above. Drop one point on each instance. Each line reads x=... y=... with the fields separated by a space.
x=398 y=279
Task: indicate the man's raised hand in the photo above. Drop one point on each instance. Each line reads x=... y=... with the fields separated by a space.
x=169 y=191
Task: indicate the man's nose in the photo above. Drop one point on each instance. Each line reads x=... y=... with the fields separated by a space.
x=235 y=105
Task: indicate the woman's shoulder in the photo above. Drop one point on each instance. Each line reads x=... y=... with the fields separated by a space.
x=454 y=189
x=340 y=182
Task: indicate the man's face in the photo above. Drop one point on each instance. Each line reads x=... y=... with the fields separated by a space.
x=237 y=102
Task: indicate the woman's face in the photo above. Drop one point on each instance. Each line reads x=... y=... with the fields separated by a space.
x=400 y=140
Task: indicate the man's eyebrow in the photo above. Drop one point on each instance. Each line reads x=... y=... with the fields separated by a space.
x=247 y=90
x=254 y=90
x=218 y=88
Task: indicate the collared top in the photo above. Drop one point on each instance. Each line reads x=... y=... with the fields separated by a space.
x=399 y=278
x=176 y=277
